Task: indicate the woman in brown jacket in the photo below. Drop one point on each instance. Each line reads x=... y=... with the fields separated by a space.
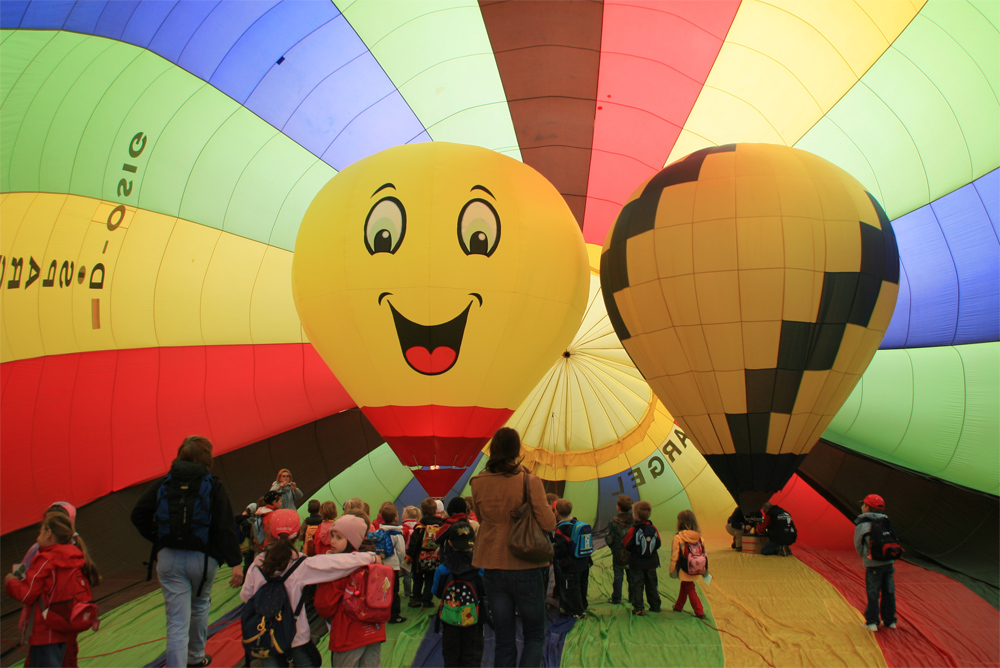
x=512 y=584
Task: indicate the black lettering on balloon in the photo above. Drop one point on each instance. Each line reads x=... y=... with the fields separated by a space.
x=3 y=267
x=120 y=210
x=97 y=284
x=127 y=186
x=81 y=274
x=139 y=140
x=682 y=437
x=657 y=466
x=670 y=449
x=637 y=477
x=16 y=265
x=34 y=271
x=621 y=488
x=66 y=272
x=50 y=278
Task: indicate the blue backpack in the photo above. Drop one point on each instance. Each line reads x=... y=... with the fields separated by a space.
x=383 y=542
x=184 y=512
x=582 y=538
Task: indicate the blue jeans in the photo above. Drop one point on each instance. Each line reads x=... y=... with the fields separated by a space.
x=521 y=592
x=46 y=656
x=616 y=585
x=180 y=573
x=879 y=581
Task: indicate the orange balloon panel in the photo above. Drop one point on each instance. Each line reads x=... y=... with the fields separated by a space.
x=439 y=282
x=752 y=285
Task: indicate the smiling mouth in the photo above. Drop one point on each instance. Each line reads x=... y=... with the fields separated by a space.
x=430 y=349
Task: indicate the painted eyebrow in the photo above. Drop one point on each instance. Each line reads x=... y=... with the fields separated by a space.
x=483 y=188
x=383 y=187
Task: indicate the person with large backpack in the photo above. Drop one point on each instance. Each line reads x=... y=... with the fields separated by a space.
x=57 y=588
x=779 y=527
x=463 y=610
x=188 y=518
x=274 y=619
x=614 y=537
x=572 y=544
x=876 y=543
x=424 y=554
x=643 y=542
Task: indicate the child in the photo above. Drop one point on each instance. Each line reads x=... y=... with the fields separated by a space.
x=390 y=516
x=614 y=533
x=688 y=533
x=460 y=645
x=456 y=514
x=272 y=502
x=879 y=581
x=276 y=560
x=575 y=571
x=643 y=543
x=352 y=643
x=411 y=515
x=57 y=558
x=423 y=541
x=320 y=543
x=311 y=522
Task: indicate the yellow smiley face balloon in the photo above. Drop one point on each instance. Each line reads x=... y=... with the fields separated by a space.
x=439 y=282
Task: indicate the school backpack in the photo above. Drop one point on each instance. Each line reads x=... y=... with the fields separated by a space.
x=184 y=512
x=383 y=542
x=321 y=539
x=581 y=538
x=459 y=603
x=645 y=546
x=883 y=544
x=310 y=533
x=69 y=605
x=268 y=620
x=368 y=594
x=696 y=561
x=430 y=550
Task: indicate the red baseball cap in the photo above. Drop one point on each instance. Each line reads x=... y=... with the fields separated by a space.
x=874 y=501
x=284 y=521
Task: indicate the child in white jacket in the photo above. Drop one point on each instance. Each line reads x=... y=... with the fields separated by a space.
x=398 y=557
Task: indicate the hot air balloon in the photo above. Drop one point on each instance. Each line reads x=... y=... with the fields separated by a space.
x=454 y=275
x=751 y=284
x=238 y=113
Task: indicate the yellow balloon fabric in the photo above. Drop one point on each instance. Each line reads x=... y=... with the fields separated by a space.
x=752 y=285
x=439 y=282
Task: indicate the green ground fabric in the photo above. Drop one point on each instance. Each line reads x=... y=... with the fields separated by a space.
x=611 y=635
x=401 y=640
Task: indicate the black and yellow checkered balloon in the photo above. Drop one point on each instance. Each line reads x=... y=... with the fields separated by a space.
x=751 y=284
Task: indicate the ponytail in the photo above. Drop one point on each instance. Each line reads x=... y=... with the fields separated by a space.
x=62 y=530
x=277 y=555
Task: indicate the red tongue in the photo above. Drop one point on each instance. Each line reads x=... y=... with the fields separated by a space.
x=426 y=362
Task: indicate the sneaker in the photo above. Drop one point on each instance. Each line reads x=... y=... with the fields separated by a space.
x=614 y=602
x=657 y=610
x=582 y=615
x=639 y=612
x=701 y=616
x=397 y=620
x=893 y=625
x=678 y=609
x=872 y=627
x=414 y=604
x=427 y=606
x=207 y=661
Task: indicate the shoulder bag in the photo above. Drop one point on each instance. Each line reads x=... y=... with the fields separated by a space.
x=527 y=540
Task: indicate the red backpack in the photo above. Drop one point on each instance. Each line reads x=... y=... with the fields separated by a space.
x=69 y=606
x=368 y=594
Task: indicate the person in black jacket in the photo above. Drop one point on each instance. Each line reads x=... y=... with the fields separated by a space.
x=734 y=527
x=643 y=541
x=574 y=572
x=188 y=518
x=779 y=528
x=423 y=572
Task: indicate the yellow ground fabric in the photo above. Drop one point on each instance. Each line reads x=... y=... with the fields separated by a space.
x=786 y=612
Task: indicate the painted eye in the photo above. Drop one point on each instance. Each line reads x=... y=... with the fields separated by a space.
x=385 y=226
x=478 y=228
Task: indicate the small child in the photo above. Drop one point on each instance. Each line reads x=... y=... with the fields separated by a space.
x=411 y=516
x=456 y=515
x=352 y=642
x=276 y=560
x=614 y=533
x=460 y=587
x=689 y=533
x=390 y=516
x=575 y=571
x=643 y=543
x=423 y=541
x=879 y=580
x=60 y=552
x=311 y=522
x=320 y=543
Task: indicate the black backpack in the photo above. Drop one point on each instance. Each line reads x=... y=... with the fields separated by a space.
x=883 y=544
x=184 y=512
x=268 y=620
x=782 y=528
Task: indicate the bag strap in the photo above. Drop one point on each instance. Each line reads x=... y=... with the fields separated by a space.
x=284 y=576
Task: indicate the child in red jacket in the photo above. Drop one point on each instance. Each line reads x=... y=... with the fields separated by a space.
x=352 y=642
x=56 y=555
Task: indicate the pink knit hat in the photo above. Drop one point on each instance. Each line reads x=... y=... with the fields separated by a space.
x=351 y=527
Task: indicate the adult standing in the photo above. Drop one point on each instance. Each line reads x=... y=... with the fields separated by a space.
x=188 y=518
x=290 y=492
x=779 y=529
x=513 y=586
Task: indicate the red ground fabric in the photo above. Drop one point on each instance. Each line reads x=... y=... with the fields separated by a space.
x=226 y=646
